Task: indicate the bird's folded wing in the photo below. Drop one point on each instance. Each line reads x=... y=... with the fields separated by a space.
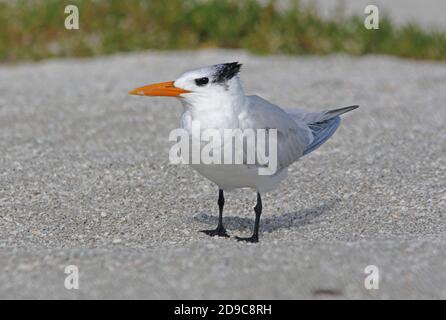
x=293 y=135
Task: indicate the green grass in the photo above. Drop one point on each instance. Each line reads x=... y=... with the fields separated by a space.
x=34 y=29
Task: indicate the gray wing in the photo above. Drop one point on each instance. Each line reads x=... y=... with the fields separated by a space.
x=293 y=134
x=322 y=124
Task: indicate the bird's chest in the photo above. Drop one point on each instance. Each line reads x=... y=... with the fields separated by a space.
x=216 y=119
x=212 y=119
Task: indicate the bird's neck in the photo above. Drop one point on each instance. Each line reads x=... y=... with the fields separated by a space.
x=216 y=111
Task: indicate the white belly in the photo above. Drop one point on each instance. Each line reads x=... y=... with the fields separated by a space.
x=228 y=176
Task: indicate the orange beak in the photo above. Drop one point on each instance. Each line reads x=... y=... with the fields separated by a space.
x=163 y=89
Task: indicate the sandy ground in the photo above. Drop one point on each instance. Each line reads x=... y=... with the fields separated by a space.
x=85 y=180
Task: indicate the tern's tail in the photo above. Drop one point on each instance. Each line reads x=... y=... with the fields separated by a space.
x=323 y=125
x=330 y=114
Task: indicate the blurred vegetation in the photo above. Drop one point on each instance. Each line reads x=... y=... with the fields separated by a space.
x=34 y=29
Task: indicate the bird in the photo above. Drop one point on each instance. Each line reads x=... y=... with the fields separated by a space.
x=214 y=97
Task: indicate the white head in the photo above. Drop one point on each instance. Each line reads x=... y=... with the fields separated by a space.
x=219 y=81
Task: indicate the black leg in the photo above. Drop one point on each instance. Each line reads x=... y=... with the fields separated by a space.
x=258 y=211
x=220 y=231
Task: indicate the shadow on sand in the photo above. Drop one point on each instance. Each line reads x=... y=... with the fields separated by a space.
x=267 y=223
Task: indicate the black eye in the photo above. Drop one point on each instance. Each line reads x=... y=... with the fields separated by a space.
x=201 y=81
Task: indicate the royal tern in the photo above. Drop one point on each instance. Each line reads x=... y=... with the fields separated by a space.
x=214 y=96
